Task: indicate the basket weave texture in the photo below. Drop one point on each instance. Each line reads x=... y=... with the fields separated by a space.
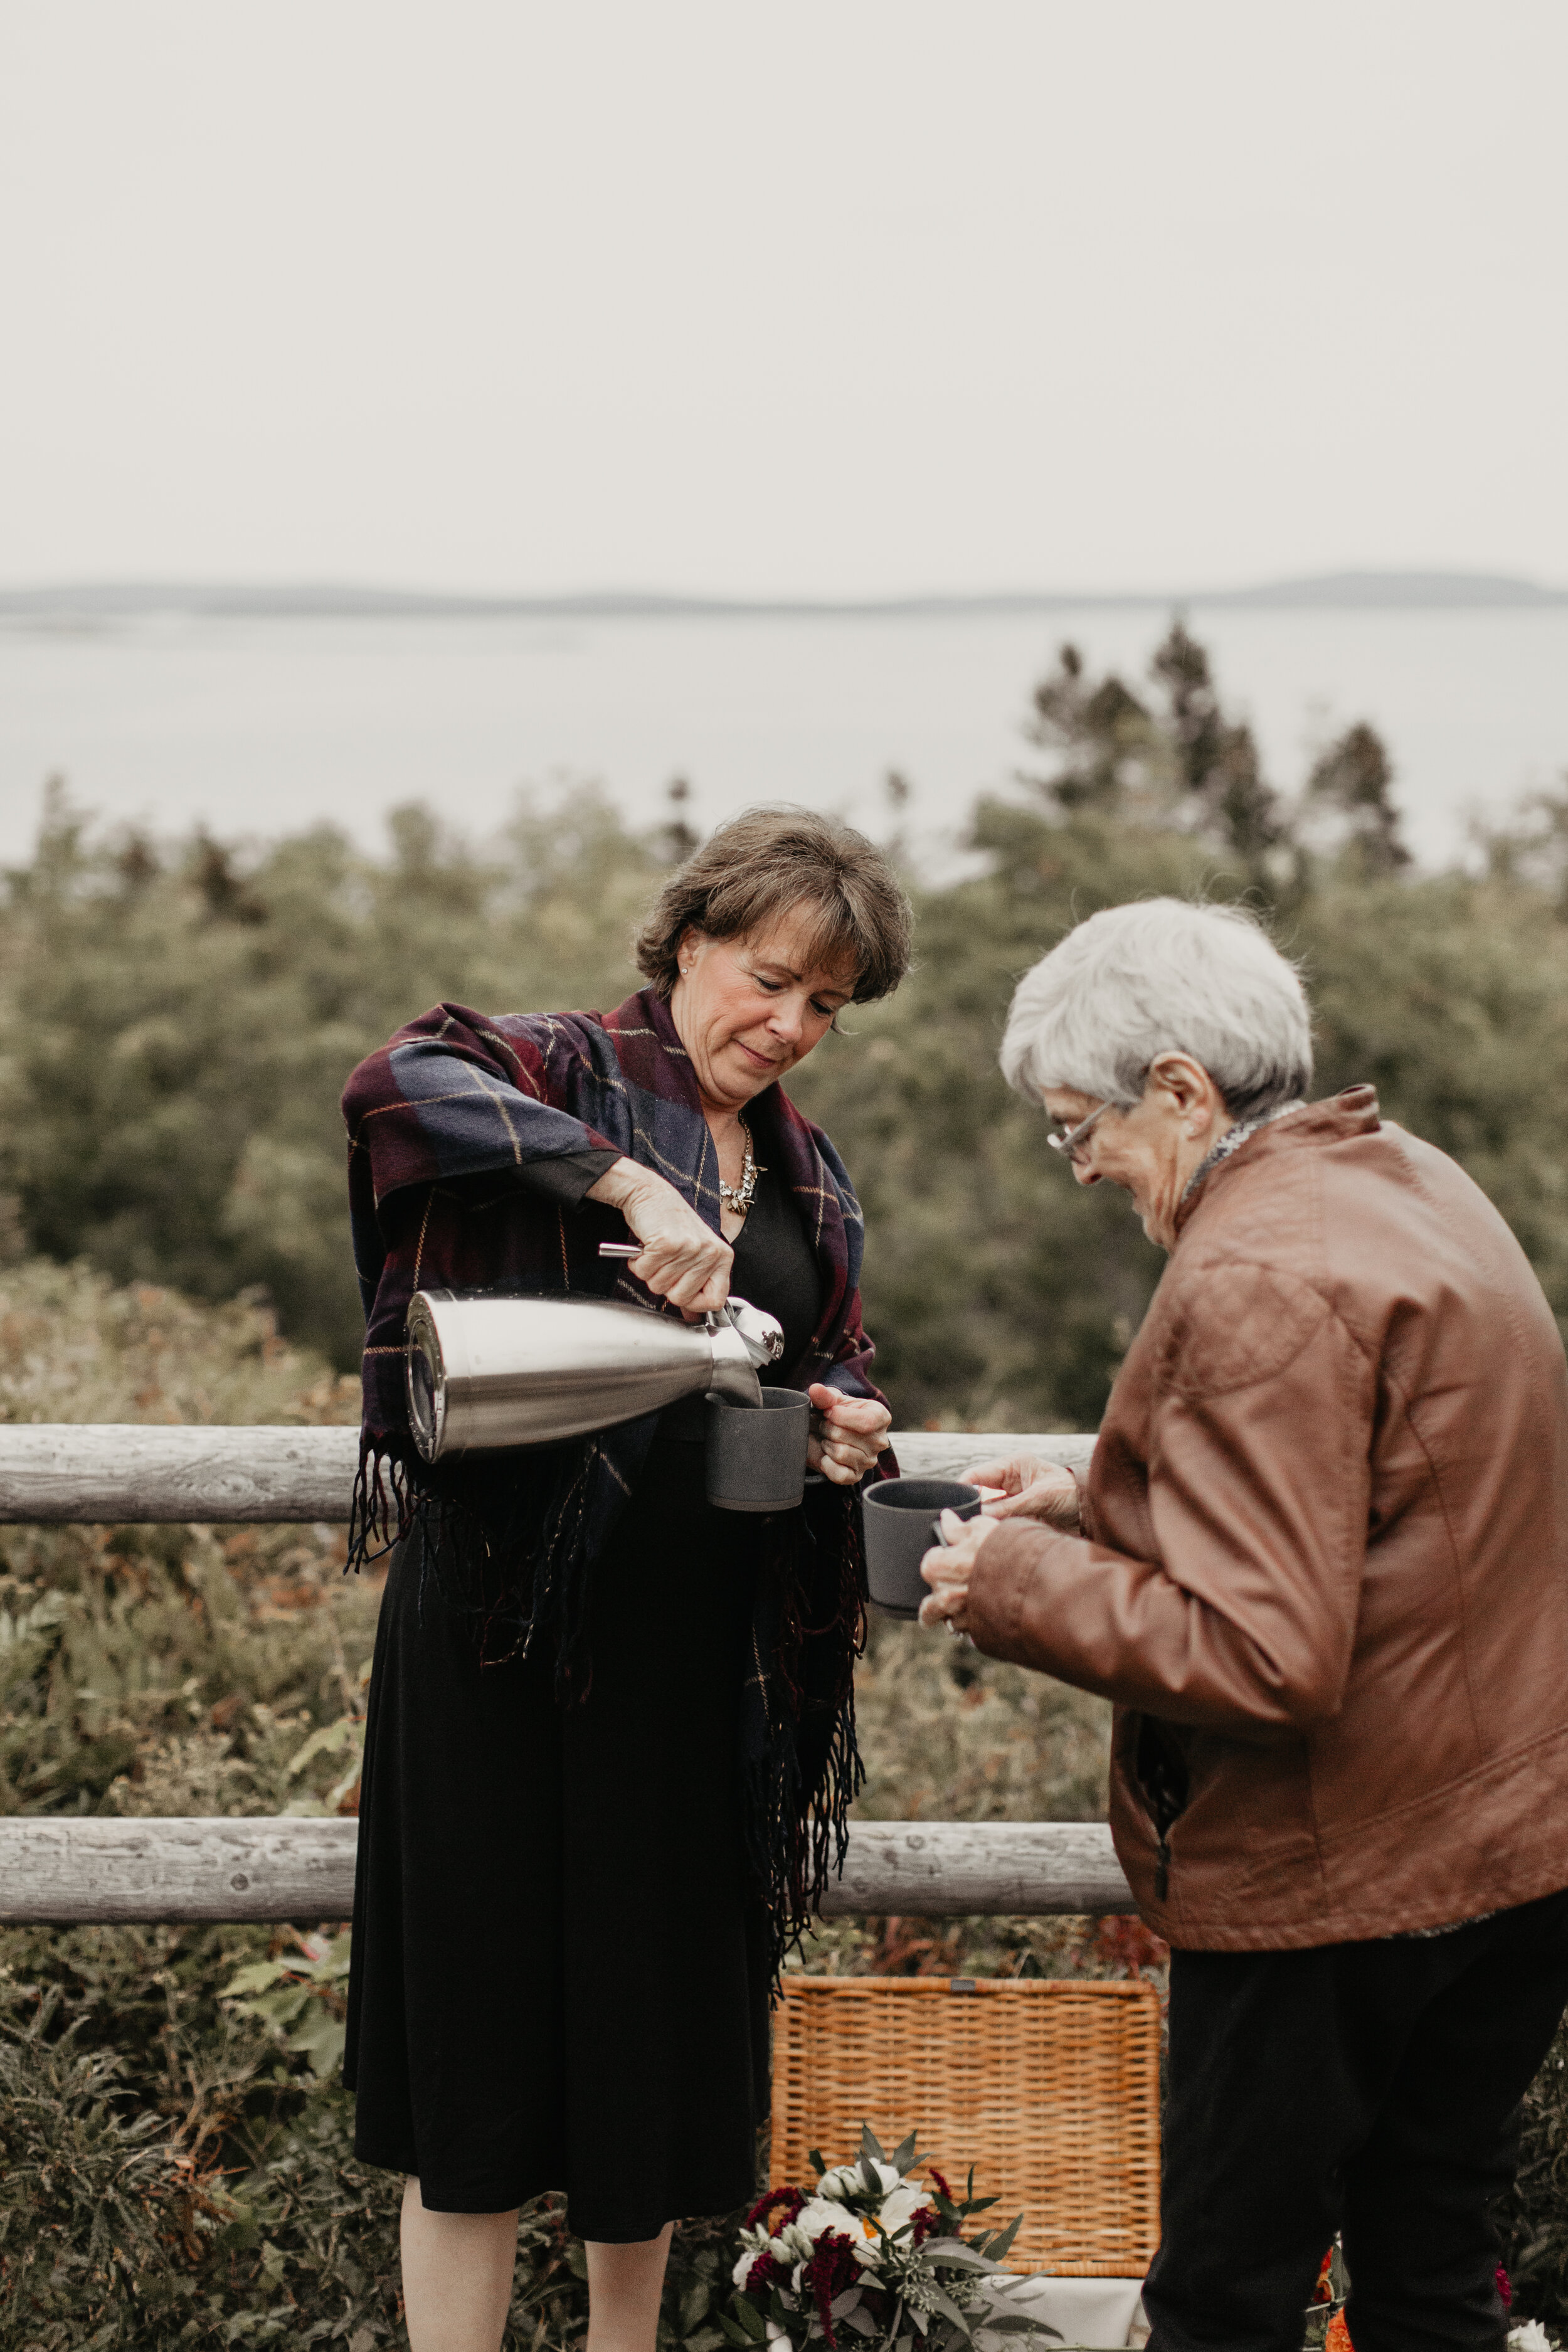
x=1050 y=2090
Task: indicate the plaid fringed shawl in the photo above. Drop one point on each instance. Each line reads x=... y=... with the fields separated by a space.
x=448 y=1126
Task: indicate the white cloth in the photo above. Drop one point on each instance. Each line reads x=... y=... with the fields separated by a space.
x=1088 y=2311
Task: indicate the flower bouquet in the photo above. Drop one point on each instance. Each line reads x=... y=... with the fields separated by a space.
x=872 y=2255
x=1330 y=2296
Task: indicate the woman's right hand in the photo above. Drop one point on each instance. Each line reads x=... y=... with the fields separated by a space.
x=682 y=1259
x=1031 y=1490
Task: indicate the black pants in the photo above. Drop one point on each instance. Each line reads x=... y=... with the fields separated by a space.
x=1373 y=2088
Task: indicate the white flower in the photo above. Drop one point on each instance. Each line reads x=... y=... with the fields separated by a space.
x=819 y=2215
x=820 y=2218
x=778 y=2335
x=1530 y=2338
x=846 y=2180
x=901 y=2204
x=755 y=2243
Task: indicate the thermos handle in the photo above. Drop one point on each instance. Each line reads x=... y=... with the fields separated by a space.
x=761 y=1336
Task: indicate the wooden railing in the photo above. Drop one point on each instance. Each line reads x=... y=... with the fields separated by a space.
x=70 y=1870
x=120 y=1472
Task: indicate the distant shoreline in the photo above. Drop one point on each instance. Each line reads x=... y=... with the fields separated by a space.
x=103 y=601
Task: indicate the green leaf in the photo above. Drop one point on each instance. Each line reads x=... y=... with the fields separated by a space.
x=694 y=2304
x=903 y=2156
x=870 y=2144
x=321 y=2039
x=281 y=2007
x=1002 y=2243
x=749 y=2317
x=348 y=1731
x=256 y=1978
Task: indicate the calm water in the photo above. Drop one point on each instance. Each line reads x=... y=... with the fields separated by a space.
x=266 y=725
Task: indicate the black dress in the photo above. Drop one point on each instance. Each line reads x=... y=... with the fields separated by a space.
x=559 y=1976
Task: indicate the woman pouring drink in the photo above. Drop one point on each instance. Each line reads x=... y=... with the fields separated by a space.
x=611 y=1735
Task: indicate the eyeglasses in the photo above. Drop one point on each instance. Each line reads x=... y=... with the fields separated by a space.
x=1070 y=1141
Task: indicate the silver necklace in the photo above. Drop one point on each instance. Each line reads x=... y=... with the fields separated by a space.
x=737 y=1198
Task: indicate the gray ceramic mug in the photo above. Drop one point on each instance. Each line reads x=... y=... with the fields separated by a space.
x=900 y=1517
x=756 y=1461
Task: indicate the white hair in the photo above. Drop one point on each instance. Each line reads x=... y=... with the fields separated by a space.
x=1161 y=976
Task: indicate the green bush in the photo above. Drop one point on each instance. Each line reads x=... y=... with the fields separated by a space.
x=1535 y=2220
x=175 y=2182
x=181 y=1034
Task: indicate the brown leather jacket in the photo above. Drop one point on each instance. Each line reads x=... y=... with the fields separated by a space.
x=1324 y=1572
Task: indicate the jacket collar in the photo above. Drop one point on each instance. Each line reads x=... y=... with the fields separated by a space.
x=1342 y=1117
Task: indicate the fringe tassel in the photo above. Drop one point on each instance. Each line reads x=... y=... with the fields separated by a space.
x=385 y=1457
x=803 y=1767
x=507 y=1541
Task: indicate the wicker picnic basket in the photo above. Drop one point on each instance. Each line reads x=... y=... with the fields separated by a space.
x=1050 y=2090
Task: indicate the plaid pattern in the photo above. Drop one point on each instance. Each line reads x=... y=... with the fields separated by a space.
x=450 y=1126
x=447 y=1122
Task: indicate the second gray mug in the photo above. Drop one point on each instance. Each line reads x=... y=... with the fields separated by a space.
x=900 y=1528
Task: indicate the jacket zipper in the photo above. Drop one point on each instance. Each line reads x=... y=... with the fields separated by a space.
x=1162 y=1772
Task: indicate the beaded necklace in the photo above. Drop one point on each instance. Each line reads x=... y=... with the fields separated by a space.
x=737 y=1198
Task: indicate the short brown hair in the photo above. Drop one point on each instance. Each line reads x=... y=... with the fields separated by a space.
x=766 y=861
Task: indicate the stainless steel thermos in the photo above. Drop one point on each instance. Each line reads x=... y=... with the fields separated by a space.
x=486 y=1371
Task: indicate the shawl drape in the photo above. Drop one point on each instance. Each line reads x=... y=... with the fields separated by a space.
x=453 y=1127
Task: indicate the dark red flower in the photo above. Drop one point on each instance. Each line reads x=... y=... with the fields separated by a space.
x=942 y=2184
x=1504 y=2286
x=774 y=2211
x=926 y=2222
x=832 y=2268
x=766 y=2271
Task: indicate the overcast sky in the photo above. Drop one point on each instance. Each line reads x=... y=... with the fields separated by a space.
x=846 y=296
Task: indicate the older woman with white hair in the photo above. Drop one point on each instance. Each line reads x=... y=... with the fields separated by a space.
x=1320 y=1562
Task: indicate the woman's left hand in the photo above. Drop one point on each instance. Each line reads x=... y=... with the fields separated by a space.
x=854 y=1432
